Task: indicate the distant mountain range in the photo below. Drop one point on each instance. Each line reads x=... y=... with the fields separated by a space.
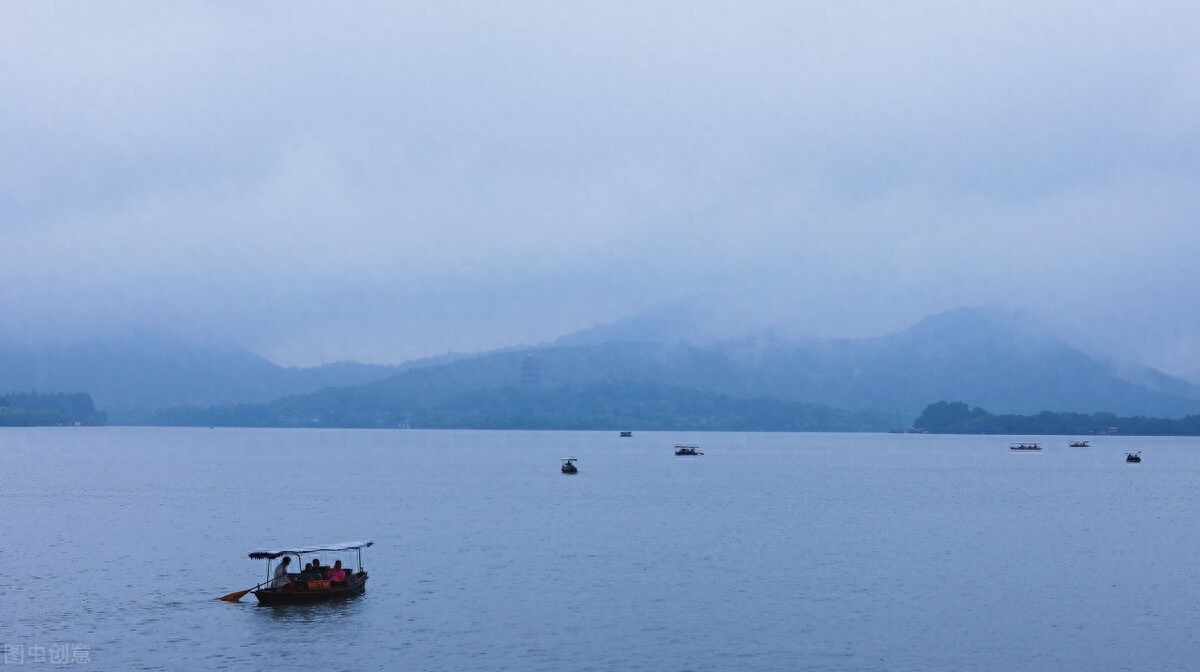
x=612 y=373
x=147 y=372
x=985 y=358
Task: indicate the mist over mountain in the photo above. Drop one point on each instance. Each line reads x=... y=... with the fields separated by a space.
x=836 y=171
x=1006 y=362
x=692 y=320
x=983 y=357
x=988 y=358
x=148 y=372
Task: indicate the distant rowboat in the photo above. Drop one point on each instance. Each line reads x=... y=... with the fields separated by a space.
x=1025 y=446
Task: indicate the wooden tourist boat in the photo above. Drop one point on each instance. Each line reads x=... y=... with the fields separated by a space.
x=1025 y=446
x=1135 y=457
x=322 y=585
x=568 y=465
x=687 y=450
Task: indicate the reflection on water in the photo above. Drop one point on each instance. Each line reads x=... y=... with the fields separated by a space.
x=332 y=613
x=769 y=552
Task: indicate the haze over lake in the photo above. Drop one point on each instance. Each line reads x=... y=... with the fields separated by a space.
x=769 y=552
x=386 y=181
x=681 y=214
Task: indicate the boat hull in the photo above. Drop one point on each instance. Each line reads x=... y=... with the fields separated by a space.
x=272 y=596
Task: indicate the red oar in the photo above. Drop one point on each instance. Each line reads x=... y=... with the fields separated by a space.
x=234 y=597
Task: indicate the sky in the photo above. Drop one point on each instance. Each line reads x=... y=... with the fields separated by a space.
x=319 y=181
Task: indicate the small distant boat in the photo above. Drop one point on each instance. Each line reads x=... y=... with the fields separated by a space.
x=682 y=449
x=626 y=434
x=1079 y=444
x=311 y=585
x=1135 y=457
x=568 y=465
x=1024 y=446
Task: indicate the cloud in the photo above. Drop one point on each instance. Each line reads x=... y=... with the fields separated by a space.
x=386 y=181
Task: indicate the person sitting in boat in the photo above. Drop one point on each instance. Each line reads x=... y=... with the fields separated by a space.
x=309 y=571
x=336 y=574
x=281 y=576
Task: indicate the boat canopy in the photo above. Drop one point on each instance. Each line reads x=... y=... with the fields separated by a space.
x=347 y=546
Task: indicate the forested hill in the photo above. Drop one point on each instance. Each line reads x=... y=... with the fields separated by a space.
x=742 y=384
x=981 y=357
x=30 y=409
x=608 y=405
x=958 y=418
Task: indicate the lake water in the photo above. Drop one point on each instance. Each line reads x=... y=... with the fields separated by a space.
x=769 y=552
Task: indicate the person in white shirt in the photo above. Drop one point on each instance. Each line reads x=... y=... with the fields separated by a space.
x=281 y=577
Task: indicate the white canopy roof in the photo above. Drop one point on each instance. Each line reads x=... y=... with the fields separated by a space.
x=347 y=546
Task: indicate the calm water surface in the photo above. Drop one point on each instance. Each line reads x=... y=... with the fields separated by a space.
x=770 y=552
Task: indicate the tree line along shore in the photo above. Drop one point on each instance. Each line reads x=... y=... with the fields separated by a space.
x=647 y=408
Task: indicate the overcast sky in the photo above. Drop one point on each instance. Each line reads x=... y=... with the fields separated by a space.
x=385 y=181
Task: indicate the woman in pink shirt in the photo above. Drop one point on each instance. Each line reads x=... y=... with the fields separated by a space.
x=336 y=574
